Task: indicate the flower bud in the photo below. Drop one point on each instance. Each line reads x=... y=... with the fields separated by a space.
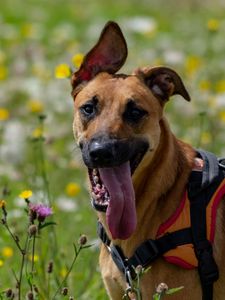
x=64 y=291
x=9 y=293
x=162 y=288
x=32 y=230
x=50 y=267
x=82 y=240
x=30 y=296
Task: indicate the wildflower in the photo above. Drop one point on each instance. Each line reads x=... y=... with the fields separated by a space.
x=4 y=113
x=220 y=86
x=1 y=263
x=33 y=258
x=3 y=72
x=7 y=252
x=62 y=71
x=37 y=133
x=27 y=30
x=26 y=194
x=205 y=85
x=63 y=272
x=2 y=203
x=35 y=106
x=41 y=210
x=82 y=240
x=206 y=137
x=222 y=116
x=213 y=25
x=77 y=60
x=193 y=64
x=72 y=189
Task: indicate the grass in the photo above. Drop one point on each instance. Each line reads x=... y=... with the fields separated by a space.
x=37 y=150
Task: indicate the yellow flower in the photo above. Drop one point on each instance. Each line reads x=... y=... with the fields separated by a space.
x=72 y=189
x=222 y=115
x=193 y=64
x=7 y=252
x=4 y=114
x=1 y=263
x=26 y=194
x=35 y=258
x=37 y=133
x=205 y=85
x=213 y=25
x=63 y=272
x=206 y=137
x=62 y=71
x=77 y=60
x=27 y=30
x=2 y=203
x=2 y=57
x=35 y=106
x=220 y=86
x=3 y=72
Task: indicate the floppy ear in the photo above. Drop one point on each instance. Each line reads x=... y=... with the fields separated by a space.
x=163 y=82
x=108 y=55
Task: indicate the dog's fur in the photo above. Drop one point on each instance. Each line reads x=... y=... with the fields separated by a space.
x=160 y=178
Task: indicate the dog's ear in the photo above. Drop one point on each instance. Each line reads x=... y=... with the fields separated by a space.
x=108 y=55
x=163 y=82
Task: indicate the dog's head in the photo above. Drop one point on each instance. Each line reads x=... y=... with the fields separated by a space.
x=117 y=123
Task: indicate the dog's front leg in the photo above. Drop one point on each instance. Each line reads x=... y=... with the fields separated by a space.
x=112 y=277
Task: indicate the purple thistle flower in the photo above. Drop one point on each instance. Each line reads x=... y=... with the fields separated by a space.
x=41 y=210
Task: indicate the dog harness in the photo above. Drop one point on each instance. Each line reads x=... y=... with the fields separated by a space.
x=186 y=238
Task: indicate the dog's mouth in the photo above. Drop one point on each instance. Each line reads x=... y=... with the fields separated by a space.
x=112 y=192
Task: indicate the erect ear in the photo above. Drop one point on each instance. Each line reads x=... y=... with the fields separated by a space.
x=108 y=55
x=163 y=82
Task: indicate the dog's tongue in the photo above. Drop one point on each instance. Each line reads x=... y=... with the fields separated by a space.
x=121 y=213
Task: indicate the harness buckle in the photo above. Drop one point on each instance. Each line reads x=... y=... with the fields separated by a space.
x=221 y=162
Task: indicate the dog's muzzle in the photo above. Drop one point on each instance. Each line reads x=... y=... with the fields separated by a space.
x=106 y=152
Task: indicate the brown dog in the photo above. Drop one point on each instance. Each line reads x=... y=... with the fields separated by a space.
x=138 y=169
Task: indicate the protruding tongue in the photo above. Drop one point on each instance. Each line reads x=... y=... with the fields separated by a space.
x=121 y=213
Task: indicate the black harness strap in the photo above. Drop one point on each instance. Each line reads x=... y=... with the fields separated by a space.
x=201 y=187
x=147 y=252
x=198 y=197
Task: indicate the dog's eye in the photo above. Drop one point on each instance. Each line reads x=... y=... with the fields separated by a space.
x=133 y=114
x=89 y=108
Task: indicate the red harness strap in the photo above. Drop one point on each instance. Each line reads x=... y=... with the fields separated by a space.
x=184 y=255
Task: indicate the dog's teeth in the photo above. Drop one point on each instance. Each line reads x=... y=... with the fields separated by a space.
x=95 y=172
x=96 y=179
x=98 y=187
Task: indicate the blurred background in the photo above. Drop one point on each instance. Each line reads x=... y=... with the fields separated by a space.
x=41 y=42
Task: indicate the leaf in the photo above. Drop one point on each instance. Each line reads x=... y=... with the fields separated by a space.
x=30 y=279
x=174 y=290
x=156 y=296
x=41 y=226
x=87 y=246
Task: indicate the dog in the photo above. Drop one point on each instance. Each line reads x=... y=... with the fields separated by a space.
x=138 y=169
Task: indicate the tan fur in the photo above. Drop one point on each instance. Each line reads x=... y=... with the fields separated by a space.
x=159 y=180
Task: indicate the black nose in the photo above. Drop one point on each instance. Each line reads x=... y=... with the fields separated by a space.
x=101 y=152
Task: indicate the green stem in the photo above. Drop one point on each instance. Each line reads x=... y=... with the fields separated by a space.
x=68 y=272
x=24 y=253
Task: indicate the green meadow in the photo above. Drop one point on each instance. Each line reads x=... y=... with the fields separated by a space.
x=41 y=42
